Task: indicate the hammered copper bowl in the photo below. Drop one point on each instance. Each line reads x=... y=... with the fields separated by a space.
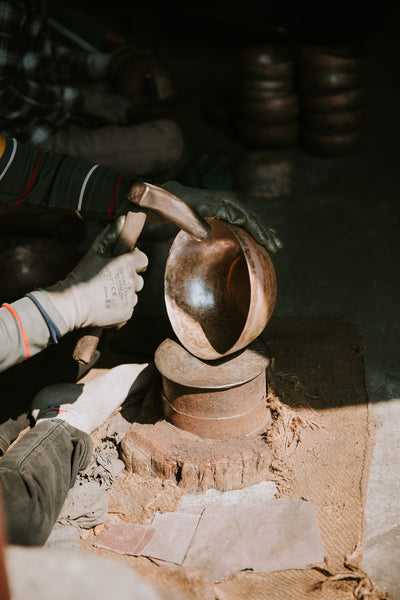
x=279 y=109
x=329 y=144
x=344 y=121
x=333 y=102
x=219 y=293
x=251 y=88
x=316 y=57
x=265 y=174
x=328 y=82
x=261 y=135
x=272 y=61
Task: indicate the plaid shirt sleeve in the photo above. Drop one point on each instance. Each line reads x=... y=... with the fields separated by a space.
x=56 y=182
x=32 y=103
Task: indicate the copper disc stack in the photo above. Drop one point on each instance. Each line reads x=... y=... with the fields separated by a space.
x=265 y=174
x=267 y=112
x=330 y=96
x=218 y=400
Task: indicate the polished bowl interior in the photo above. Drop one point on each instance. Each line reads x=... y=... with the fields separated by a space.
x=220 y=292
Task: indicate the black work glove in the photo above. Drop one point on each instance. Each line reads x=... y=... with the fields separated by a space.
x=227 y=206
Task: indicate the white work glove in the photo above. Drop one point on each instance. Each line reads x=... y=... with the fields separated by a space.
x=86 y=406
x=111 y=109
x=226 y=205
x=101 y=290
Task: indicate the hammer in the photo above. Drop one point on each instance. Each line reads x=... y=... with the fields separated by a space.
x=150 y=199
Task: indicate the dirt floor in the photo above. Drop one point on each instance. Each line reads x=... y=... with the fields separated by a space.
x=317 y=413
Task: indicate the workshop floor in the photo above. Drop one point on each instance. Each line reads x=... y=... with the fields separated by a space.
x=341 y=230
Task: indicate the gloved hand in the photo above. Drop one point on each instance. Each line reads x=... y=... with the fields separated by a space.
x=107 y=107
x=226 y=205
x=101 y=290
x=86 y=406
x=98 y=64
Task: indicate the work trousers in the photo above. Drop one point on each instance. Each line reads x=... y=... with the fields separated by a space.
x=151 y=150
x=35 y=476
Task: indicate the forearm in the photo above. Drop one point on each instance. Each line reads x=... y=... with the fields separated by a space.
x=23 y=330
x=62 y=183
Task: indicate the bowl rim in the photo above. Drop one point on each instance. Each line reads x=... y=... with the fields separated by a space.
x=258 y=304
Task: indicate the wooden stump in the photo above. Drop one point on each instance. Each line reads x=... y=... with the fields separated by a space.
x=196 y=463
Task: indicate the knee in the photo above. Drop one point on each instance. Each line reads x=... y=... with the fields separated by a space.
x=172 y=137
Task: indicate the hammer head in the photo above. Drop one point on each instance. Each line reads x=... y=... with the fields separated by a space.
x=154 y=199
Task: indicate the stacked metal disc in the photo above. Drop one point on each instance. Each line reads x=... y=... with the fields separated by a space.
x=267 y=112
x=329 y=81
x=265 y=174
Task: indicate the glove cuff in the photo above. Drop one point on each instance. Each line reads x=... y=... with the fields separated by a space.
x=49 y=312
x=64 y=300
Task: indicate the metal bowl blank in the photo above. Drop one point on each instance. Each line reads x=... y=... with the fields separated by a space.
x=220 y=292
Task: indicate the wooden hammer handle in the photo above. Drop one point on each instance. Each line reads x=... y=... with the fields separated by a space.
x=87 y=343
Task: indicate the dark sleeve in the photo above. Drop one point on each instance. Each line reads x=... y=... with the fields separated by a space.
x=25 y=98
x=59 y=182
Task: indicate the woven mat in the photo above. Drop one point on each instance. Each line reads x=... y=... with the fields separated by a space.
x=323 y=439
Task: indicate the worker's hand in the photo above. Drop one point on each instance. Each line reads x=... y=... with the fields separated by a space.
x=109 y=108
x=101 y=290
x=226 y=205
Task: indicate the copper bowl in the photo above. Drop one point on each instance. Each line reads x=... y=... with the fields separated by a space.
x=344 y=121
x=333 y=102
x=253 y=82
x=280 y=109
x=263 y=85
x=258 y=95
x=260 y=135
x=328 y=82
x=329 y=145
x=265 y=174
x=272 y=61
x=219 y=293
x=316 y=57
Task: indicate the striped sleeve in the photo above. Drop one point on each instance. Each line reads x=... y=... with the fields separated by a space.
x=23 y=331
x=58 y=182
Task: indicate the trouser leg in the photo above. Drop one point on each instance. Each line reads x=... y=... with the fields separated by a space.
x=20 y=383
x=153 y=149
x=35 y=476
x=12 y=427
